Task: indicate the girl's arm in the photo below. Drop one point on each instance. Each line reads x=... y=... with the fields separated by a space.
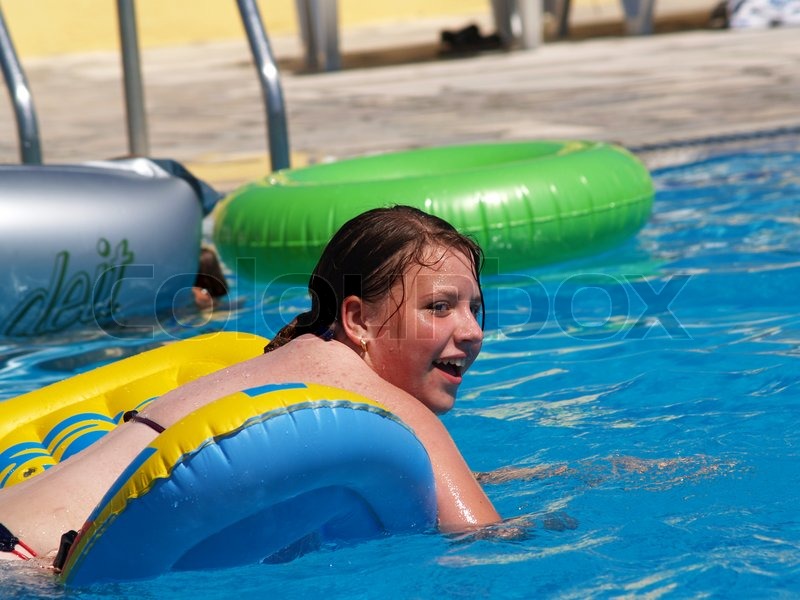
x=462 y=503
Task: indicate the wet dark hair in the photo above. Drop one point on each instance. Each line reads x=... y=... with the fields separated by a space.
x=367 y=256
x=209 y=274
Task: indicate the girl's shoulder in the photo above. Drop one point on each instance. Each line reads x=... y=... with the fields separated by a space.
x=312 y=360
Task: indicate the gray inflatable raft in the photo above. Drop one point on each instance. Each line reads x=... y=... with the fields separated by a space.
x=96 y=244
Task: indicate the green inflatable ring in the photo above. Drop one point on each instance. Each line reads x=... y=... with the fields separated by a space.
x=527 y=204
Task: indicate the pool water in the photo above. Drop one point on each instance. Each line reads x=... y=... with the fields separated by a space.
x=649 y=397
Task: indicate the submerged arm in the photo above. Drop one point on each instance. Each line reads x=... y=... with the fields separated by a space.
x=462 y=503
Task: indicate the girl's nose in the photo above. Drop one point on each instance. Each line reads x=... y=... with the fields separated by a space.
x=469 y=330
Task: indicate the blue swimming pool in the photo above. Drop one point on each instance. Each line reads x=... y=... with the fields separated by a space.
x=651 y=395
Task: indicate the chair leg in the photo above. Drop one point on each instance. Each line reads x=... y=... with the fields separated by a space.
x=560 y=10
x=503 y=14
x=319 y=27
x=638 y=16
x=307 y=34
x=518 y=22
x=530 y=17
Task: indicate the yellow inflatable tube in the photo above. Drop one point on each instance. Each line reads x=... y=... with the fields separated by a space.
x=43 y=427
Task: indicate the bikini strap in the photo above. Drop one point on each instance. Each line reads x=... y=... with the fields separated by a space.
x=133 y=415
x=9 y=543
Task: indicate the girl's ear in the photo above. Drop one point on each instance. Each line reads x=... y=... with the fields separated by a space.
x=354 y=323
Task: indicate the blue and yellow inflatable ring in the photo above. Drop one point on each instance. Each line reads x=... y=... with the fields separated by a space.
x=261 y=475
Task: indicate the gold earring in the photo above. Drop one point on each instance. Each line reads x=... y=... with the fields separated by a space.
x=363 y=344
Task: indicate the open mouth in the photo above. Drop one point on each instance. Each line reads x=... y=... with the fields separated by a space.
x=454 y=368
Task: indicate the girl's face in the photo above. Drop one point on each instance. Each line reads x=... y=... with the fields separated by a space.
x=425 y=346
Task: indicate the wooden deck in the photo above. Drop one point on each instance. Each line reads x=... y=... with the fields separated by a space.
x=205 y=107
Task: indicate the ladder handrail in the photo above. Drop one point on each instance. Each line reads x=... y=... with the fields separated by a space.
x=269 y=77
x=30 y=149
x=138 y=144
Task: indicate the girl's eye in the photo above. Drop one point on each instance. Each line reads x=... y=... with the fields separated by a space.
x=477 y=309
x=439 y=307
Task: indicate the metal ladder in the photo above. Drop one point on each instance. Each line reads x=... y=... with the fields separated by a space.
x=267 y=68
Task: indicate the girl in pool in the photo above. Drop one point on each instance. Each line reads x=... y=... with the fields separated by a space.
x=396 y=304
